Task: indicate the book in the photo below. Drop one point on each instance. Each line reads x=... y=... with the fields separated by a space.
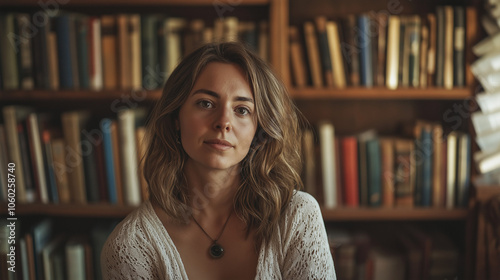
x=448 y=48
x=10 y=73
x=471 y=38
x=312 y=50
x=365 y=46
x=349 y=161
x=392 y=64
x=109 y=43
x=12 y=115
x=75 y=258
x=374 y=172
x=459 y=46
x=109 y=159
x=127 y=123
x=337 y=62
x=73 y=123
x=327 y=146
x=64 y=25
x=309 y=162
x=124 y=51
x=48 y=255
x=173 y=28
x=37 y=157
x=451 y=171
x=404 y=172
x=135 y=51
x=81 y=31
x=297 y=58
x=463 y=170
x=24 y=50
x=431 y=53
x=387 y=171
x=438 y=167
x=363 y=138
x=324 y=50
x=350 y=51
x=60 y=170
x=95 y=54
x=149 y=54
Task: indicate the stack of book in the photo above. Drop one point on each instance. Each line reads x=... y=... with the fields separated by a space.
x=377 y=49
x=423 y=167
x=122 y=51
x=74 y=157
x=487 y=70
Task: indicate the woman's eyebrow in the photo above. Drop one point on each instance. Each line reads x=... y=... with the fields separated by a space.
x=216 y=95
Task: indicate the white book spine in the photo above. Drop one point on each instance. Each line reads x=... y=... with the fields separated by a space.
x=126 y=121
x=75 y=262
x=38 y=157
x=451 y=170
x=327 y=145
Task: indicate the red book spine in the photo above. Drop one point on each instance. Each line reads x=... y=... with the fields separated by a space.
x=350 y=171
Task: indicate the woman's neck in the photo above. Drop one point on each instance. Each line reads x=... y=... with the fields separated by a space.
x=211 y=191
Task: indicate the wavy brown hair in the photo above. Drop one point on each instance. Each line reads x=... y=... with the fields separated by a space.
x=270 y=172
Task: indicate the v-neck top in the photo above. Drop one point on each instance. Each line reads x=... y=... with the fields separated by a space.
x=140 y=247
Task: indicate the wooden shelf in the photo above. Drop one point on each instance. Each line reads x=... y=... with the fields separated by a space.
x=381 y=93
x=393 y=214
x=142 y=3
x=101 y=210
x=70 y=95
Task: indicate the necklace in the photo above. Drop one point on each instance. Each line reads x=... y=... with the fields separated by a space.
x=216 y=251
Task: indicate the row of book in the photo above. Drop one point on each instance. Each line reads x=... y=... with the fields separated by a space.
x=377 y=49
x=123 y=51
x=399 y=252
x=487 y=121
x=424 y=168
x=73 y=158
x=41 y=252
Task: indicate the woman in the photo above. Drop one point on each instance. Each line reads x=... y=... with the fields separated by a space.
x=223 y=169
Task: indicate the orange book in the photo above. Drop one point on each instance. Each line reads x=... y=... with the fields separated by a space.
x=313 y=54
x=349 y=158
x=109 y=51
x=297 y=58
x=124 y=51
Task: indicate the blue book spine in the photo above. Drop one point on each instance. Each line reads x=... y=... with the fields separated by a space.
x=426 y=149
x=365 y=47
x=83 y=56
x=64 y=52
x=108 y=159
x=373 y=159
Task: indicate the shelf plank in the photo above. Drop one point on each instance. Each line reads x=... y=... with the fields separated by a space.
x=381 y=93
x=305 y=93
x=100 y=210
x=142 y=3
x=392 y=214
x=104 y=210
x=75 y=95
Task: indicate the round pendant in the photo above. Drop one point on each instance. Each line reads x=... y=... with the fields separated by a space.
x=216 y=251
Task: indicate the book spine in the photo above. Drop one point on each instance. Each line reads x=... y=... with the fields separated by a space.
x=374 y=173
x=365 y=46
x=64 y=52
x=109 y=159
x=459 y=46
x=392 y=52
x=349 y=176
x=327 y=144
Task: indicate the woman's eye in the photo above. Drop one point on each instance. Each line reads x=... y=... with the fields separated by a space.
x=205 y=104
x=242 y=111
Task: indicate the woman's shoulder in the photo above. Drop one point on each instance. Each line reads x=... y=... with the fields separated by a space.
x=133 y=226
x=303 y=201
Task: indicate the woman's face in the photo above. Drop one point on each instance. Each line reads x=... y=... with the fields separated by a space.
x=218 y=120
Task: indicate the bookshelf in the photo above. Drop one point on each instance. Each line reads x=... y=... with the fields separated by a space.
x=351 y=109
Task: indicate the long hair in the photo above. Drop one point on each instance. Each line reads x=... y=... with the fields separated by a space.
x=270 y=172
